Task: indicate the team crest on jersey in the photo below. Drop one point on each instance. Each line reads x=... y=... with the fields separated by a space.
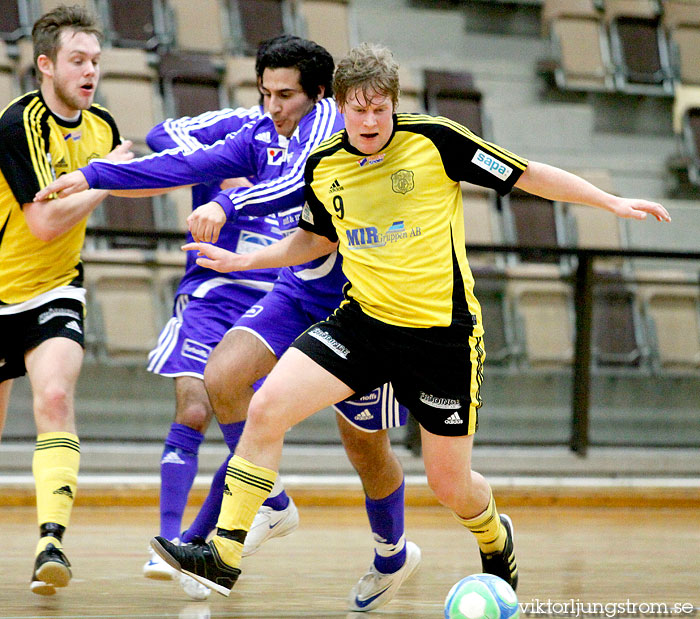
x=402 y=181
x=275 y=156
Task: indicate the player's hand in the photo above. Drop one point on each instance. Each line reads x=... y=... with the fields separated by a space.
x=206 y=221
x=213 y=257
x=64 y=185
x=639 y=209
x=122 y=152
x=232 y=183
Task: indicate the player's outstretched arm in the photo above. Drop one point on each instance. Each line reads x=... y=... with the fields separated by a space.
x=562 y=186
x=74 y=182
x=298 y=248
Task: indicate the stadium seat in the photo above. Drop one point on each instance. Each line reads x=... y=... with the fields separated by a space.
x=15 y=20
x=579 y=45
x=481 y=224
x=9 y=84
x=617 y=338
x=673 y=319
x=254 y=21
x=44 y=6
x=124 y=312
x=240 y=81
x=129 y=88
x=453 y=94
x=544 y=317
x=135 y=23
x=691 y=142
x=201 y=26
x=411 y=96
x=532 y=221
x=490 y=290
x=681 y=19
x=133 y=214
x=25 y=69
x=638 y=47
x=192 y=83
x=327 y=22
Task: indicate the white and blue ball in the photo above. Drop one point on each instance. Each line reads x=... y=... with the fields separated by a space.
x=481 y=596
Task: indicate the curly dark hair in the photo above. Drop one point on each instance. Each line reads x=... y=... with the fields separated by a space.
x=315 y=64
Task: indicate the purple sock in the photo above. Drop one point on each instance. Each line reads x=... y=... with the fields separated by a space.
x=208 y=514
x=386 y=521
x=277 y=502
x=178 y=467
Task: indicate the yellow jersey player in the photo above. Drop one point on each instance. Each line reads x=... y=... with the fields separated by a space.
x=44 y=134
x=385 y=192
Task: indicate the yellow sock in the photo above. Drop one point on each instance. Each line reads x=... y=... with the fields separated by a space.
x=55 y=468
x=488 y=529
x=245 y=488
x=45 y=541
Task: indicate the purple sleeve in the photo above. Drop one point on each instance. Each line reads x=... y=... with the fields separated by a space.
x=227 y=158
x=188 y=133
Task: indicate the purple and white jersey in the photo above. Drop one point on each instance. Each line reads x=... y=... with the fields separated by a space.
x=255 y=151
x=248 y=233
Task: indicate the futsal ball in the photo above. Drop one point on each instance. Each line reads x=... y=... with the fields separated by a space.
x=481 y=596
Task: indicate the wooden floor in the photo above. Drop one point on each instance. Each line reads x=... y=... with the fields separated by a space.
x=590 y=555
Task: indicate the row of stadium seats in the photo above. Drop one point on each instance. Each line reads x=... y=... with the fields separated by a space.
x=222 y=26
x=633 y=46
x=645 y=316
x=648 y=47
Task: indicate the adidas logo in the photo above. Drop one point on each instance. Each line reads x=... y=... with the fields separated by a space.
x=172 y=458
x=453 y=419
x=226 y=490
x=335 y=186
x=74 y=325
x=65 y=490
x=365 y=415
x=264 y=136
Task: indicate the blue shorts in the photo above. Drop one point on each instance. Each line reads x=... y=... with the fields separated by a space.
x=197 y=326
x=285 y=313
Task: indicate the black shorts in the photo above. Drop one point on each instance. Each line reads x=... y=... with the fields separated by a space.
x=436 y=372
x=24 y=331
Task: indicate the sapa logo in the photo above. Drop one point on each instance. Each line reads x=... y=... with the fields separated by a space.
x=494 y=166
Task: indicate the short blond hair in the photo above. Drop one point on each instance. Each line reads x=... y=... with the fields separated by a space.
x=367 y=68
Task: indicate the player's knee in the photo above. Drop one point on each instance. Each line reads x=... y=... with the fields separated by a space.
x=195 y=415
x=266 y=417
x=444 y=485
x=53 y=403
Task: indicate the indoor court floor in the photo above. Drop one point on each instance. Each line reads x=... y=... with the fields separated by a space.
x=582 y=554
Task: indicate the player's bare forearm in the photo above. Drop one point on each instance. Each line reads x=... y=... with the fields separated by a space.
x=298 y=248
x=562 y=186
x=49 y=219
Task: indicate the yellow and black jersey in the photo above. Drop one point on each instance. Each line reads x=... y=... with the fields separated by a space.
x=35 y=147
x=398 y=217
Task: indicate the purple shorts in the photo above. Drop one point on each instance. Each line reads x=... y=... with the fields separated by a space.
x=197 y=326
x=285 y=313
